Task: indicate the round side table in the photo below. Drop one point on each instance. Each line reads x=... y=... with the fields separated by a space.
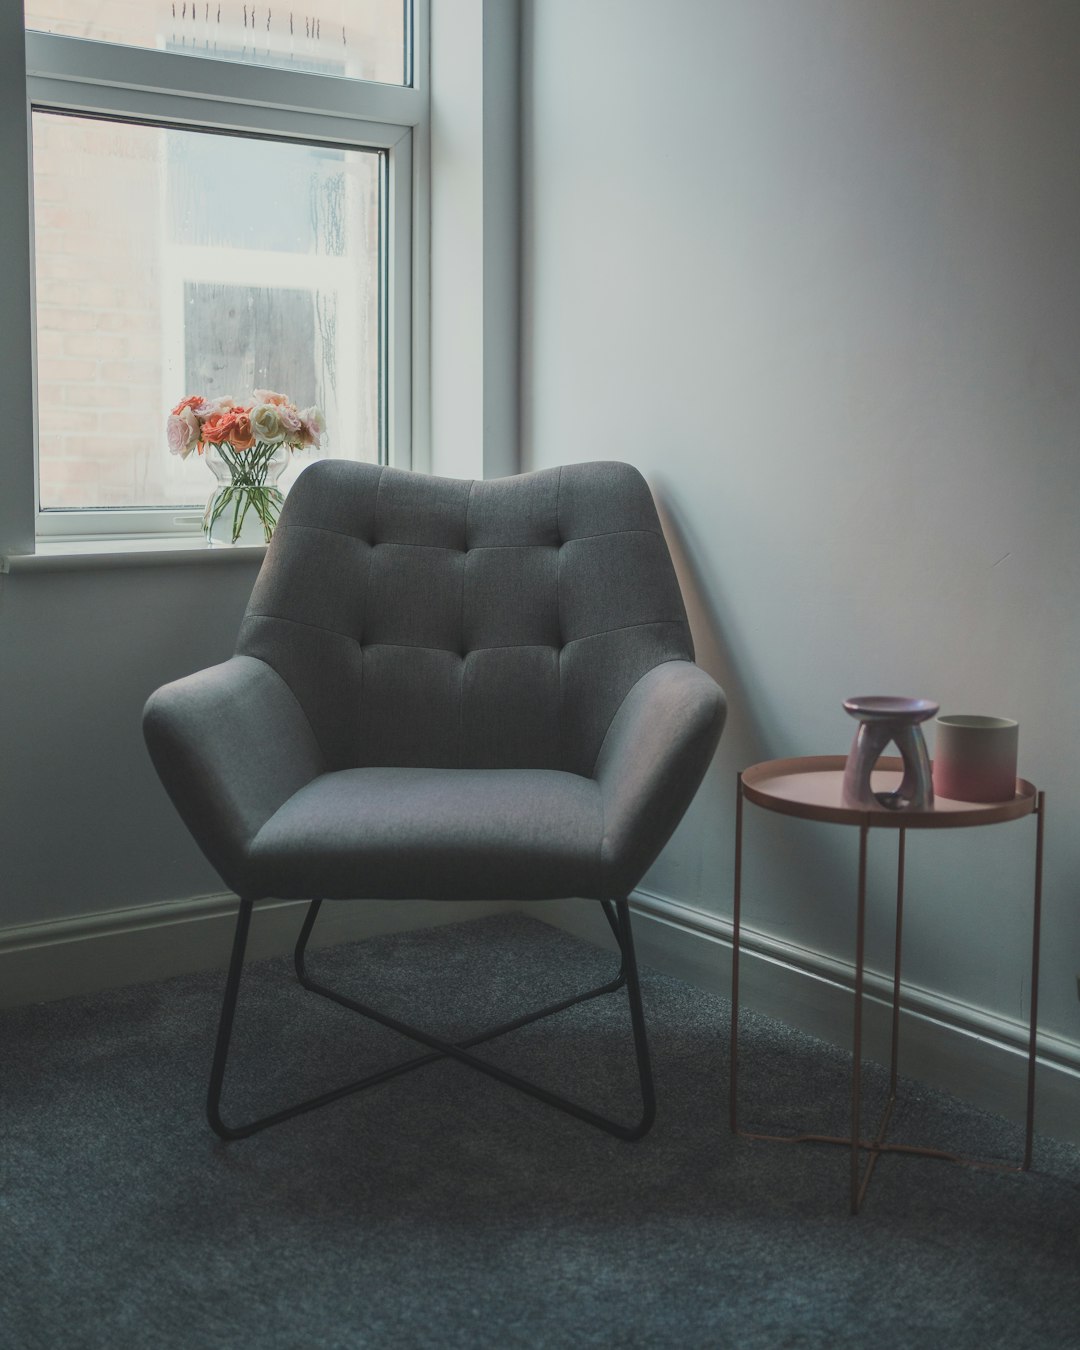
x=810 y=787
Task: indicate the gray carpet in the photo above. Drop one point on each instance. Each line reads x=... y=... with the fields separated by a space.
x=443 y=1209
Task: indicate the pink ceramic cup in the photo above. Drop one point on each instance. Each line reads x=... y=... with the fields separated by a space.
x=975 y=758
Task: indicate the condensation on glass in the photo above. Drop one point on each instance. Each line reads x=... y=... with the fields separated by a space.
x=172 y=262
x=357 y=39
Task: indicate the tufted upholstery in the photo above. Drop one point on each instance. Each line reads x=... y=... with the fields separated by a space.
x=455 y=625
x=408 y=635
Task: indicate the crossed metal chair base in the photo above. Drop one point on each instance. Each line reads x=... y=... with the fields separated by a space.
x=618 y=916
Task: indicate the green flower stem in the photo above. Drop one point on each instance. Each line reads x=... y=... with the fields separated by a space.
x=248 y=489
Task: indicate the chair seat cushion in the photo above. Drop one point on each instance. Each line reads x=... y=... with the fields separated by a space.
x=439 y=834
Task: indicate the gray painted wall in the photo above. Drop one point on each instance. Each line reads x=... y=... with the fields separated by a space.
x=84 y=824
x=813 y=266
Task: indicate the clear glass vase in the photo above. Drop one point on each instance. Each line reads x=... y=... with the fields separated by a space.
x=245 y=505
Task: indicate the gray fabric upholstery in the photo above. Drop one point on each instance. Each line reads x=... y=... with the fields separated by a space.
x=231 y=744
x=654 y=756
x=435 y=833
x=447 y=689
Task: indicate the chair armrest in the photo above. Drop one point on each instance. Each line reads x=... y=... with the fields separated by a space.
x=231 y=744
x=652 y=761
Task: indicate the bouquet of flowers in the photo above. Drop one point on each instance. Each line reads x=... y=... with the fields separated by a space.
x=251 y=442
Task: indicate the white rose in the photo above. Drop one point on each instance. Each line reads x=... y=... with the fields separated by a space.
x=266 y=423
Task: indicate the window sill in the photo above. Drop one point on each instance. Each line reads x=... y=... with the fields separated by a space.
x=56 y=555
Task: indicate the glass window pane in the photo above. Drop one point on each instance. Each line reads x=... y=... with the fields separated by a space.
x=174 y=262
x=359 y=39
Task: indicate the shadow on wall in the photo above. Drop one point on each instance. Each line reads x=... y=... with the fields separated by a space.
x=744 y=741
x=793 y=870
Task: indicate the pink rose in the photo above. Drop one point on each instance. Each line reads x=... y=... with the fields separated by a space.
x=289 y=419
x=268 y=396
x=190 y=418
x=180 y=435
x=312 y=426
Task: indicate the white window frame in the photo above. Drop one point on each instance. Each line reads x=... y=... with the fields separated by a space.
x=77 y=75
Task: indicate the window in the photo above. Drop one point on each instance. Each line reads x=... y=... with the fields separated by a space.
x=361 y=39
x=220 y=203
x=172 y=261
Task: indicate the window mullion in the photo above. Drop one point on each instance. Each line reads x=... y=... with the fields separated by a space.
x=143 y=105
x=134 y=69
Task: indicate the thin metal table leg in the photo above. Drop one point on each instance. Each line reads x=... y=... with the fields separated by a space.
x=856 y=1068
x=896 y=965
x=878 y=1145
x=1029 y=1132
x=735 y=927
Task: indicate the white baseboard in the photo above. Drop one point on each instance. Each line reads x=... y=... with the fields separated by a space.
x=979 y=1057
x=46 y=961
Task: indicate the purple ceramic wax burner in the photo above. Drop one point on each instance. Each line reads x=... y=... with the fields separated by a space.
x=883 y=718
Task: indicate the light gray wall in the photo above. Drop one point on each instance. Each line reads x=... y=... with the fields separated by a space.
x=84 y=824
x=814 y=267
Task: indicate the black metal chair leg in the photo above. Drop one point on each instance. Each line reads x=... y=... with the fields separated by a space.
x=637 y=1021
x=439 y=1048
x=613 y=924
x=225 y=1022
x=300 y=950
x=221 y=1048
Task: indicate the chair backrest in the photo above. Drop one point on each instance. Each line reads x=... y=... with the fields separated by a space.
x=444 y=623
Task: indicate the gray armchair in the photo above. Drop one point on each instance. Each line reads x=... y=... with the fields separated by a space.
x=446 y=690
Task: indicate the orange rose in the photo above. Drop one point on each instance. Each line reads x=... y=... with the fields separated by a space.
x=216 y=429
x=240 y=432
x=192 y=401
